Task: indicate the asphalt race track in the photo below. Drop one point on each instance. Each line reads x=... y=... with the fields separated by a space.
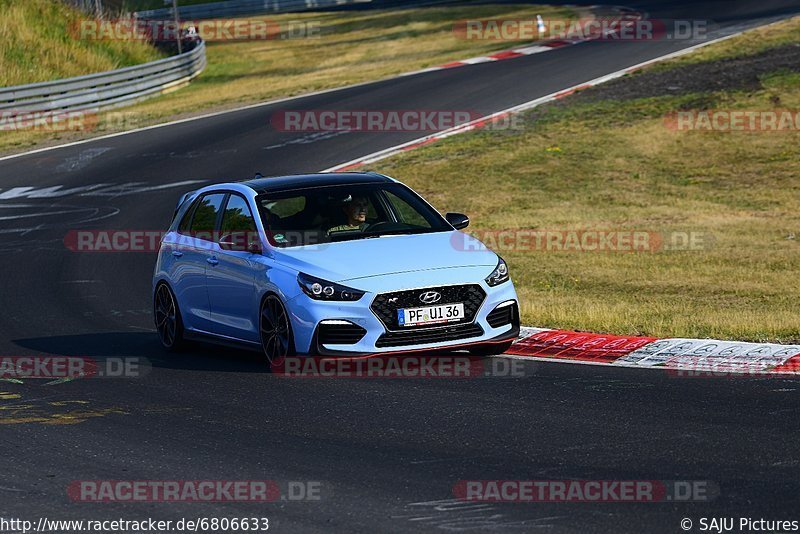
x=387 y=452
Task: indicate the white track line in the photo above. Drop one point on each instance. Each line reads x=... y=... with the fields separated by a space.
x=190 y=119
x=525 y=50
x=392 y=151
x=299 y=97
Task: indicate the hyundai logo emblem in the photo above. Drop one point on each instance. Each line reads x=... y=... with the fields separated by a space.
x=430 y=297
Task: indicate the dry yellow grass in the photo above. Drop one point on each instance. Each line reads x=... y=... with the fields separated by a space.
x=753 y=42
x=614 y=165
x=36 y=45
x=352 y=47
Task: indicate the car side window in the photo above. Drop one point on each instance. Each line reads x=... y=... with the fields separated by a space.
x=205 y=215
x=238 y=225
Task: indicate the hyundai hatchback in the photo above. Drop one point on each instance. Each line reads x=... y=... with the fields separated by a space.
x=332 y=264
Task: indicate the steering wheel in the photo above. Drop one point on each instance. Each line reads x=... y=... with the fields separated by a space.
x=380 y=225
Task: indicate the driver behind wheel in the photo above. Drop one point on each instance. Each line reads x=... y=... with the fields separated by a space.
x=355 y=208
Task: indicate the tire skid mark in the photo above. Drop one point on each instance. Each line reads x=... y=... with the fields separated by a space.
x=82 y=160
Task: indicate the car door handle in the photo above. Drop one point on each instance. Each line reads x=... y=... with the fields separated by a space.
x=177 y=253
x=213 y=260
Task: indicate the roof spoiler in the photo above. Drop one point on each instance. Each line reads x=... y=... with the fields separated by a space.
x=183 y=199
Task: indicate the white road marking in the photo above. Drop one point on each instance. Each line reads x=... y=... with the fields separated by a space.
x=525 y=106
x=82 y=160
x=47 y=192
x=93 y=190
x=132 y=188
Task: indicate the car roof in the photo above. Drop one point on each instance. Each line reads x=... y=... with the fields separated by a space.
x=298 y=181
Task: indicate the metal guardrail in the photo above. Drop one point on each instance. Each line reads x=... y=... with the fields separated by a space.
x=233 y=8
x=105 y=89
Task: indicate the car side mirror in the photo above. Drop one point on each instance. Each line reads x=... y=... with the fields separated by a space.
x=457 y=220
x=254 y=247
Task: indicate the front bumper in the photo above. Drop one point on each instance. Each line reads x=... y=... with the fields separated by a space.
x=308 y=314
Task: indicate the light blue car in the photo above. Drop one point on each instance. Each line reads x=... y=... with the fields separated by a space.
x=339 y=264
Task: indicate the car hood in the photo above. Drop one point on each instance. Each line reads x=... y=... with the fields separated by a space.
x=364 y=258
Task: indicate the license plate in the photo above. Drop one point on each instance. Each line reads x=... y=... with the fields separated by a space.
x=443 y=313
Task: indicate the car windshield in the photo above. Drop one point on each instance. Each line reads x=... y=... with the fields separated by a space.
x=346 y=212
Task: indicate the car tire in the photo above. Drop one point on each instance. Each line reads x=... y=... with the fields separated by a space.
x=275 y=330
x=492 y=349
x=167 y=316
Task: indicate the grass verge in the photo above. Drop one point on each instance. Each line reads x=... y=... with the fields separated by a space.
x=350 y=47
x=605 y=159
x=37 y=45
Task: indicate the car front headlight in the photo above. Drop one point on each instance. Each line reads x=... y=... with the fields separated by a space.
x=499 y=275
x=319 y=289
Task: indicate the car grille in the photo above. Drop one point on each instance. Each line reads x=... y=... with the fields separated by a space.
x=385 y=305
x=428 y=335
x=339 y=334
x=500 y=316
